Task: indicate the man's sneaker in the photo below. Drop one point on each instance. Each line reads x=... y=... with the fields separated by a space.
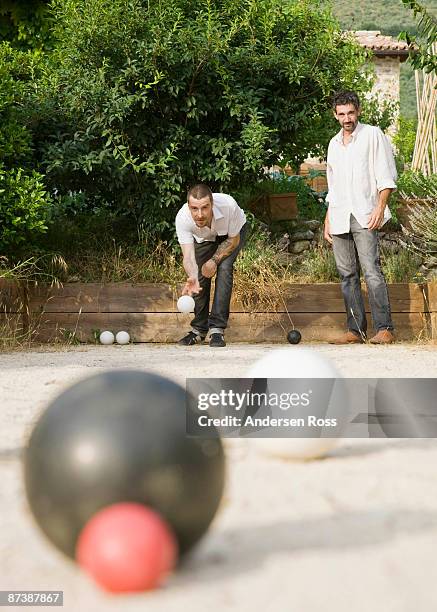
x=190 y=339
x=217 y=340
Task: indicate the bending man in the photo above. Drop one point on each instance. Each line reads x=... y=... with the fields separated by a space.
x=211 y=230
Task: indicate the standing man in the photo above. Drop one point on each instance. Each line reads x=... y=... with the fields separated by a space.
x=211 y=230
x=361 y=176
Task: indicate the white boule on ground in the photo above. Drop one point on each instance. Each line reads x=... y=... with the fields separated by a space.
x=295 y=449
x=122 y=337
x=185 y=304
x=106 y=337
x=301 y=363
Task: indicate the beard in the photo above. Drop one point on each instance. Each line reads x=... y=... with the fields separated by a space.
x=349 y=126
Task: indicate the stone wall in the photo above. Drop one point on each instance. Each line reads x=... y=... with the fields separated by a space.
x=387 y=77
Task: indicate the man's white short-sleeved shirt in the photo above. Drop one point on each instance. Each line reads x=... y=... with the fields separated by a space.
x=227 y=220
x=356 y=173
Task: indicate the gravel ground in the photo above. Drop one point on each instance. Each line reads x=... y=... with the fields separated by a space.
x=356 y=531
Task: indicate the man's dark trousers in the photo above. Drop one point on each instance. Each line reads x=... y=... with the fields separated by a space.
x=218 y=319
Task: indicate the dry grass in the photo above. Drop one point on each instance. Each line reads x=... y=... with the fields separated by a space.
x=126 y=263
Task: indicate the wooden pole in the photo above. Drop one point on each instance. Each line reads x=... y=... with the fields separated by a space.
x=425 y=148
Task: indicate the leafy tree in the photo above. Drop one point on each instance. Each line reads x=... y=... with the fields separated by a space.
x=24 y=209
x=421 y=55
x=404 y=140
x=141 y=99
x=25 y=23
x=15 y=74
x=24 y=203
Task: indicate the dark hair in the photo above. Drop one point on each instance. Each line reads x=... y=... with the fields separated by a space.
x=199 y=191
x=345 y=97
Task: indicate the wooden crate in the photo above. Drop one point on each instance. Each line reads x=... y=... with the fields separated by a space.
x=275 y=207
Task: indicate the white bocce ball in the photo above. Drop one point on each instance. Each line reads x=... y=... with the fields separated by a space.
x=300 y=363
x=185 y=304
x=106 y=337
x=122 y=337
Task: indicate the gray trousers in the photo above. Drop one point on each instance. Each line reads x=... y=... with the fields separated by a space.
x=353 y=251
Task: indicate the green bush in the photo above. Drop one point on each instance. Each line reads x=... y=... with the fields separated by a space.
x=16 y=71
x=401 y=267
x=24 y=203
x=412 y=184
x=26 y=23
x=140 y=100
x=404 y=140
x=421 y=233
x=380 y=112
x=24 y=209
x=319 y=265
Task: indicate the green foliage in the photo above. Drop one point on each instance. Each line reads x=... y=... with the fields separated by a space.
x=421 y=56
x=24 y=208
x=319 y=265
x=421 y=231
x=24 y=203
x=25 y=24
x=421 y=236
x=16 y=70
x=408 y=107
x=416 y=185
x=404 y=140
x=401 y=267
x=379 y=112
x=140 y=100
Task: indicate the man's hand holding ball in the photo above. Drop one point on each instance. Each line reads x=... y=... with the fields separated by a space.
x=209 y=268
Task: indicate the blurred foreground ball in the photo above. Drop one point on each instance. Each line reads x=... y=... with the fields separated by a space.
x=122 y=337
x=127 y=547
x=185 y=304
x=405 y=408
x=120 y=436
x=328 y=402
x=106 y=337
x=294 y=336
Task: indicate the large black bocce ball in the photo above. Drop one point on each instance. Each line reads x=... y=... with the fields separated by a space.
x=120 y=436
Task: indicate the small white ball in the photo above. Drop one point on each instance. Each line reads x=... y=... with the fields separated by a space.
x=106 y=337
x=122 y=337
x=185 y=304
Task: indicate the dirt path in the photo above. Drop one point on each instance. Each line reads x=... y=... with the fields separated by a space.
x=354 y=532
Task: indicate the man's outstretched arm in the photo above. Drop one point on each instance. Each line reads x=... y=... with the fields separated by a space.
x=190 y=266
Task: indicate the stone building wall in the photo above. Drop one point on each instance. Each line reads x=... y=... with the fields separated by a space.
x=387 y=83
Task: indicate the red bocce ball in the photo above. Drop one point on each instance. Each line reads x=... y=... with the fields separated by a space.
x=127 y=547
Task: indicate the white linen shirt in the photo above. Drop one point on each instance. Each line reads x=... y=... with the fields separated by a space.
x=227 y=220
x=356 y=173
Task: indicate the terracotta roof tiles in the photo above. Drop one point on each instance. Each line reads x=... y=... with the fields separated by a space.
x=380 y=44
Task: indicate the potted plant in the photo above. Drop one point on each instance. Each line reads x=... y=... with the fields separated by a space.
x=276 y=201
